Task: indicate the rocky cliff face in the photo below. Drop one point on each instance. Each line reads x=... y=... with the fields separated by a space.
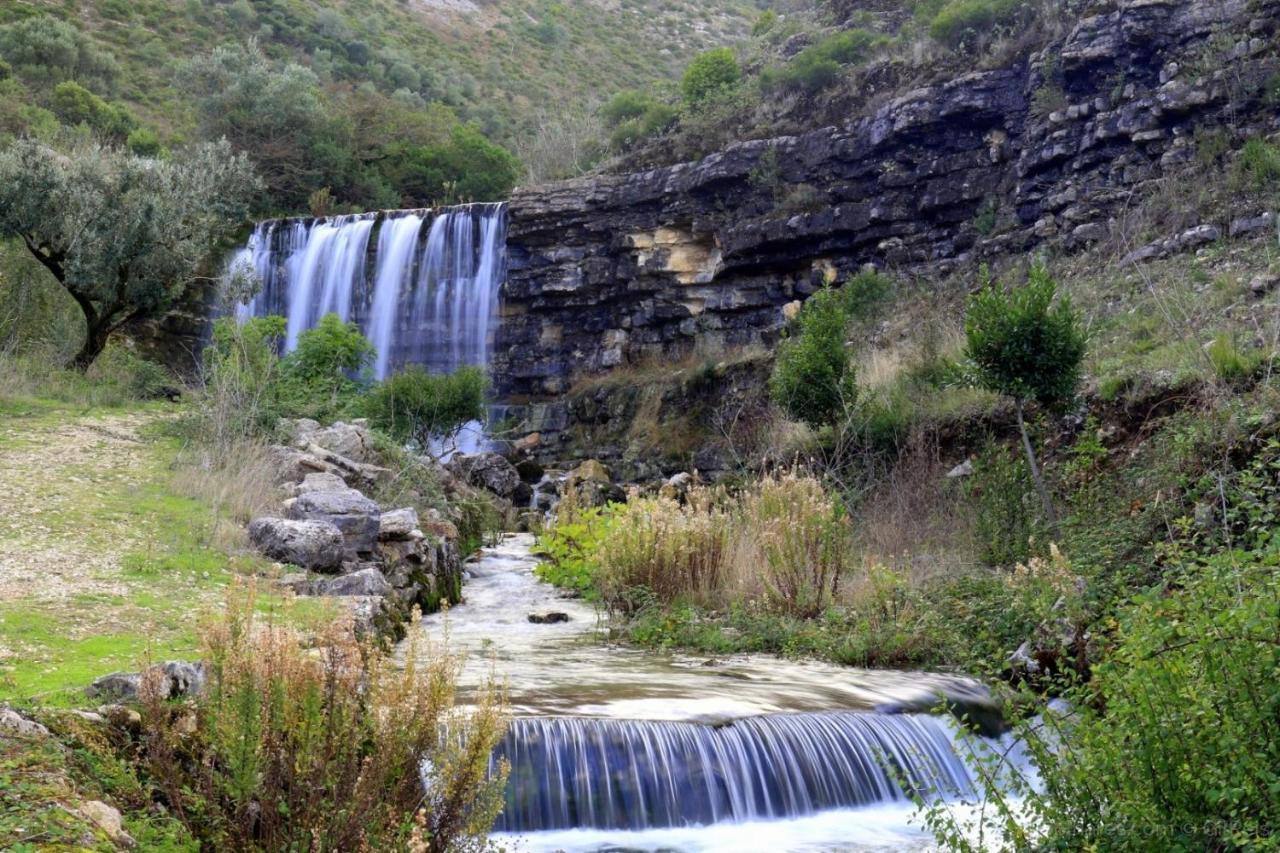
x=614 y=270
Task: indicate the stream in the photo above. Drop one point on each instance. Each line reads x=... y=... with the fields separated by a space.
x=616 y=748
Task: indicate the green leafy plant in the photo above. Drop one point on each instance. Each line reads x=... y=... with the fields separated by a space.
x=327 y=370
x=709 y=75
x=813 y=379
x=418 y=406
x=962 y=22
x=1171 y=746
x=819 y=65
x=1027 y=345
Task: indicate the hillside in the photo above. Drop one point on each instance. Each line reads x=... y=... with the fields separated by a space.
x=382 y=103
x=494 y=60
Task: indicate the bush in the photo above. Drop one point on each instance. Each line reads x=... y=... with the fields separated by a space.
x=781 y=545
x=323 y=746
x=240 y=371
x=818 y=65
x=1172 y=746
x=710 y=74
x=325 y=374
x=1006 y=524
x=74 y=104
x=1260 y=164
x=418 y=406
x=1232 y=364
x=962 y=22
x=144 y=142
x=813 y=380
x=633 y=117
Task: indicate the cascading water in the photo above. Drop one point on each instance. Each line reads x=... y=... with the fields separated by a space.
x=618 y=748
x=422 y=295
x=643 y=774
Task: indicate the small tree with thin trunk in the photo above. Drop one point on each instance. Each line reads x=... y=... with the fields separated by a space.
x=125 y=235
x=1028 y=345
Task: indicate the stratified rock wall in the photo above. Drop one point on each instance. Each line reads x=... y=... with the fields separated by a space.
x=612 y=270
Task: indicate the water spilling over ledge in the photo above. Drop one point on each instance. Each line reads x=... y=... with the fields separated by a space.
x=642 y=774
x=423 y=285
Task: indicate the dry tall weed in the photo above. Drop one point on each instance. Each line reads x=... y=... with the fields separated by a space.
x=323 y=745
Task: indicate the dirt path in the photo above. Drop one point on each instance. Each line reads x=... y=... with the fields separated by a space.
x=51 y=546
x=102 y=565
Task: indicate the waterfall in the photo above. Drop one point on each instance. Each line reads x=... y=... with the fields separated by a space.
x=632 y=774
x=395 y=258
x=422 y=285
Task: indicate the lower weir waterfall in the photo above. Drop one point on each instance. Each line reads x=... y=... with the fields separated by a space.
x=423 y=285
x=617 y=748
x=641 y=774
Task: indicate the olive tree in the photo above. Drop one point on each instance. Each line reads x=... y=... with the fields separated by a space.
x=124 y=235
x=1028 y=345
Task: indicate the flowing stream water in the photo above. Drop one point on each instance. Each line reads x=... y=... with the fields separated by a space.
x=616 y=748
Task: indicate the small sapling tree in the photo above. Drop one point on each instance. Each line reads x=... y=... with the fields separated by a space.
x=418 y=406
x=1028 y=345
x=813 y=379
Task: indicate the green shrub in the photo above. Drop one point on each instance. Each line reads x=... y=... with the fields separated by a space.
x=569 y=547
x=1232 y=364
x=818 y=65
x=961 y=22
x=633 y=117
x=1260 y=164
x=240 y=372
x=137 y=377
x=1007 y=527
x=73 y=104
x=709 y=75
x=813 y=379
x=865 y=296
x=144 y=142
x=1027 y=345
x=418 y=406
x=1172 y=745
x=325 y=374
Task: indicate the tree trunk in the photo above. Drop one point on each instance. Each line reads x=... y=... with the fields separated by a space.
x=1046 y=501
x=96 y=335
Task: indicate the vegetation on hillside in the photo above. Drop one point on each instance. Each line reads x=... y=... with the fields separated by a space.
x=817 y=63
x=350 y=95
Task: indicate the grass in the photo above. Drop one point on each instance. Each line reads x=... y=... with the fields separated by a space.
x=119 y=567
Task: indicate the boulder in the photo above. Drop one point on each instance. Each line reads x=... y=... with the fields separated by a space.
x=1263 y=284
x=592 y=485
x=314 y=545
x=13 y=723
x=321 y=481
x=350 y=511
x=291 y=465
x=349 y=440
x=530 y=471
x=366 y=582
x=397 y=524
x=180 y=678
x=551 y=618
x=591 y=471
x=108 y=820
x=487 y=471
x=677 y=486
